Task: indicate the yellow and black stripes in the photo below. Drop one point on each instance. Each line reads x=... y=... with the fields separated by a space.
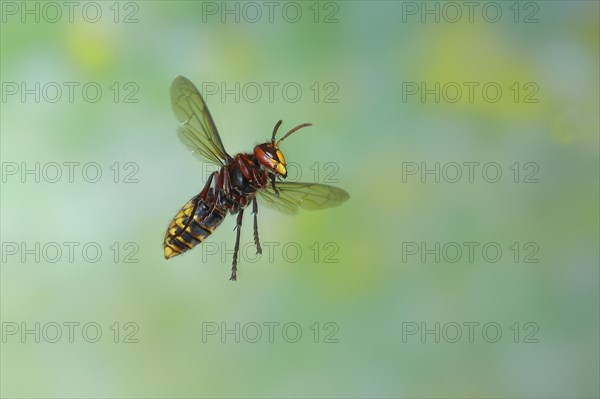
x=187 y=230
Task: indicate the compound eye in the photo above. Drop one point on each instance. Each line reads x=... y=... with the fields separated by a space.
x=264 y=157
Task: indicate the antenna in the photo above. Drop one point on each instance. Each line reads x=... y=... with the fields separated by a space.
x=275 y=131
x=290 y=132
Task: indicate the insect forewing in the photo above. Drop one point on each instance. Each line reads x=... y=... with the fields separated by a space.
x=309 y=196
x=197 y=131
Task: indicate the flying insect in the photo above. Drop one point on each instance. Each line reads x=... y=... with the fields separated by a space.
x=238 y=183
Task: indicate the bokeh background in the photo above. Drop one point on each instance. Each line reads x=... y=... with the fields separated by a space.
x=368 y=130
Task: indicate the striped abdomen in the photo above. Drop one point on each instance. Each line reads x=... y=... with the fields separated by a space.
x=184 y=234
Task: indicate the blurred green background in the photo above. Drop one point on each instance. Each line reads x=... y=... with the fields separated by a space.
x=354 y=62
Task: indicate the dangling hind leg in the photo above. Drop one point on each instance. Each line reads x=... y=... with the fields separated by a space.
x=256 y=240
x=238 y=226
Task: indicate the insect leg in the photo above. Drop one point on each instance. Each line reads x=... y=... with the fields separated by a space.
x=237 y=246
x=219 y=187
x=273 y=185
x=255 y=212
x=204 y=191
x=226 y=181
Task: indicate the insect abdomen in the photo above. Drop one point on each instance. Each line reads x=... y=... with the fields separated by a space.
x=184 y=234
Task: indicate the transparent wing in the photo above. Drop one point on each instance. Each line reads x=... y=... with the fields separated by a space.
x=197 y=130
x=309 y=196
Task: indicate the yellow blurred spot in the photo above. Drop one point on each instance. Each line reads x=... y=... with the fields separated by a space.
x=92 y=46
x=475 y=70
